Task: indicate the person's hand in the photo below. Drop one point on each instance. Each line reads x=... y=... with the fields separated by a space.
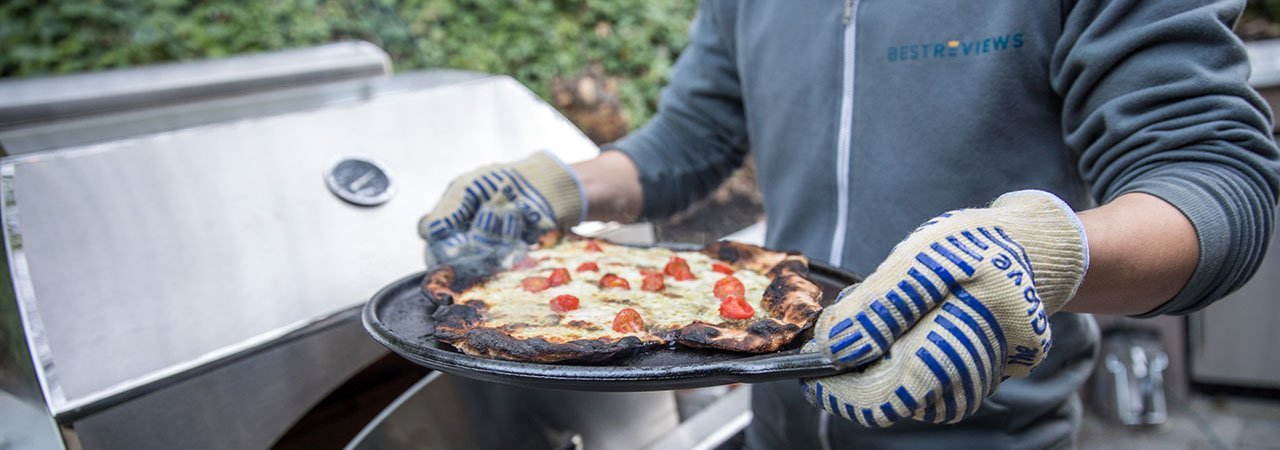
x=958 y=306
x=502 y=204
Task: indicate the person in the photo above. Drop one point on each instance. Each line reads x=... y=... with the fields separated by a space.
x=867 y=119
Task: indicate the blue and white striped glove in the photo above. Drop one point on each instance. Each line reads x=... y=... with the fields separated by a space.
x=502 y=204
x=961 y=304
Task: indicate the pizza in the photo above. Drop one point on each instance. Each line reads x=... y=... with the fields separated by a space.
x=575 y=299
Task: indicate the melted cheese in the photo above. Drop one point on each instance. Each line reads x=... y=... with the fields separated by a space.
x=529 y=314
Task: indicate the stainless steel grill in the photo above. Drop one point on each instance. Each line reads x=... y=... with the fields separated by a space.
x=185 y=277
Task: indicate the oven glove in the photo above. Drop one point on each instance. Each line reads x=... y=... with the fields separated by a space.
x=961 y=304
x=502 y=206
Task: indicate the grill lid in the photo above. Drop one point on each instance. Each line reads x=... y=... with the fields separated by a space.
x=144 y=259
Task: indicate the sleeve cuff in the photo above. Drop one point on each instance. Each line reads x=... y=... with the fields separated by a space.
x=1232 y=221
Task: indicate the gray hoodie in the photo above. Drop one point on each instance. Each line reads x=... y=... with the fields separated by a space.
x=868 y=117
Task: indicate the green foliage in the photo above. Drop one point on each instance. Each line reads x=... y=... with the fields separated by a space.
x=532 y=40
x=1267 y=8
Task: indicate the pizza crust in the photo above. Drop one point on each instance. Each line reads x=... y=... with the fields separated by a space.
x=462 y=326
x=438 y=285
x=790 y=300
x=750 y=257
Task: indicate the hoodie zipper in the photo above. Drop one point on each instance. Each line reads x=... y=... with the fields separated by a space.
x=844 y=140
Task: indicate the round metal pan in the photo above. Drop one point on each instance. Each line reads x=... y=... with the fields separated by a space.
x=399 y=317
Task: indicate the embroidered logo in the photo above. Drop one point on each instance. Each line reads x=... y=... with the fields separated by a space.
x=955 y=48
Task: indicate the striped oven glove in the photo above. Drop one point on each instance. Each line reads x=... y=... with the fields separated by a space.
x=961 y=304
x=502 y=204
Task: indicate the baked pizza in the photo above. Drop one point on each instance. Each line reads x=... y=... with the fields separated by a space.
x=571 y=298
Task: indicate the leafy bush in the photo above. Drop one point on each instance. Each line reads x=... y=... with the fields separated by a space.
x=634 y=41
x=1261 y=20
x=1269 y=8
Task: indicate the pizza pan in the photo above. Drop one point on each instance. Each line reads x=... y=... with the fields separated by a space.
x=399 y=317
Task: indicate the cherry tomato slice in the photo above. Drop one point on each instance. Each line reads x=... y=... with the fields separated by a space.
x=628 y=321
x=679 y=269
x=525 y=263
x=559 y=277
x=535 y=284
x=564 y=303
x=646 y=271
x=717 y=267
x=652 y=282
x=592 y=246
x=613 y=281
x=729 y=285
x=588 y=267
x=734 y=307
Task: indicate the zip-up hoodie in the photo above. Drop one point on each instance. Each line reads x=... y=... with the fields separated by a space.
x=868 y=117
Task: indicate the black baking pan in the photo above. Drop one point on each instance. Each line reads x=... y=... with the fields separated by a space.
x=399 y=317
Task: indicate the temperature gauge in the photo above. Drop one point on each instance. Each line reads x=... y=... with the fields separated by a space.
x=360 y=181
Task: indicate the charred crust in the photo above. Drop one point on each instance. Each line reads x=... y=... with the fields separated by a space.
x=437 y=285
x=703 y=335
x=666 y=334
x=754 y=258
x=742 y=255
x=775 y=296
x=442 y=284
x=453 y=321
x=767 y=328
x=494 y=343
x=793 y=299
x=790 y=265
x=699 y=332
x=478 y=304
x=726 y=251
x=512 y=327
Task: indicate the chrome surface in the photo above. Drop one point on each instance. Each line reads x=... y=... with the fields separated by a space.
x=316 y=329
x=77 y=131
x=27 y=425
x=23 y=364
x=360 y=181
x=1264 y=60
x=447 y=412
x=26 y=421
x=245 y=404
x=752 y=234
x=640 y=233
x=1233 y=341
x=1128 y=385
x=208 y=241
x=713 y=425
x=1149 y=409
x=26 y=101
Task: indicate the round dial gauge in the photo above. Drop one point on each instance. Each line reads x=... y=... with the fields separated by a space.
x=360 y=181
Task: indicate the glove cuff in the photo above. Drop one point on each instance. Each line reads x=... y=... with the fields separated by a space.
x=558 y=186
x=1054 y=241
